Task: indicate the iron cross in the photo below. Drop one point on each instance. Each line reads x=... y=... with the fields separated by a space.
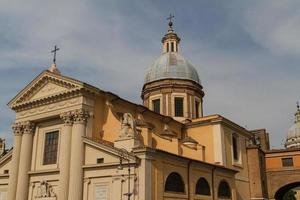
x=170 y=18
x=54 y=53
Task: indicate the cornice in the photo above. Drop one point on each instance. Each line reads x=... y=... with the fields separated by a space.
x=218 y=119
x=47 y=100
x=6 y=157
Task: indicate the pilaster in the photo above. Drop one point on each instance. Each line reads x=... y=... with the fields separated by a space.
x=64 y=157
x=13 y=172
x=25 y=161
x=80 y=117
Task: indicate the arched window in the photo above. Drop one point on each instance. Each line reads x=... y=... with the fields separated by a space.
x=202 y=187
x=224 y=190
x=174 y=183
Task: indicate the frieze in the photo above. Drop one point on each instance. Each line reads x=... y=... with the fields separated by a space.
x=51 y=107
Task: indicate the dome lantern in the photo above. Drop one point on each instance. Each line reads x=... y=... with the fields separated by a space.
x=170 y=40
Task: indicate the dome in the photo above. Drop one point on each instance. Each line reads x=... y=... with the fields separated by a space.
x=171 y=65
x=294 y=131
x=293 y=137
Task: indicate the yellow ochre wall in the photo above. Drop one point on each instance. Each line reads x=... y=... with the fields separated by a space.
x=273 y=160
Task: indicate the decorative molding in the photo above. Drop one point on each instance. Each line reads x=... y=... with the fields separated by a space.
x=17 y=128
x=45 y=191
x=87 y=181
x=51 y=107
x=49 y=88
x=67 y=117
x=80 y=115
x=28 y=127
x=40 y=84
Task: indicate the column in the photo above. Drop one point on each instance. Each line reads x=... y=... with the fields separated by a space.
x=80 y=117
x=64 y=157
x=25 y=161
x=13 y=172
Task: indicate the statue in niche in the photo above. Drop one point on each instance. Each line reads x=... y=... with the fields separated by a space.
x=128 y=126
x=45 y=190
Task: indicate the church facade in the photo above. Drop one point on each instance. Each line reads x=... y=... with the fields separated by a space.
x=74 y=141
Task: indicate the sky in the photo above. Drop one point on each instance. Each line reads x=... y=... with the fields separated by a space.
x=247 y=53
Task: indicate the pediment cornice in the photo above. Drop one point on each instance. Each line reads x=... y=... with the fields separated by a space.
x=48 y=88
x=108 y=147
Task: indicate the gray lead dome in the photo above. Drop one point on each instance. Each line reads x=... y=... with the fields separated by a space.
x=171 y=65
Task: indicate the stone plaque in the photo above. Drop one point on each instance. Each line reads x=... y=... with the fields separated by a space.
x=101 y=192
x=3 y=195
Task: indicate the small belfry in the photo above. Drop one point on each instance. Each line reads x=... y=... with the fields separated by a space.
x=172 y=86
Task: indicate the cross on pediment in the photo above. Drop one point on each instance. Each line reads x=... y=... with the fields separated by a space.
x=54 y=53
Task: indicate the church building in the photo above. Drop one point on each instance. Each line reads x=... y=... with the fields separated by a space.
x=74 y=141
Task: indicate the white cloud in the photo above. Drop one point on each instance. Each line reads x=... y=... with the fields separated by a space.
x=274 y=24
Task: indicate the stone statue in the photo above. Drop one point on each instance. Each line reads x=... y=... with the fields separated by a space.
x=128 y=126
x=45 y=190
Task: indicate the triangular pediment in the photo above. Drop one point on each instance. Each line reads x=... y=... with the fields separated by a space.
x=97 y=149
x=49 y=89
x=45 y=86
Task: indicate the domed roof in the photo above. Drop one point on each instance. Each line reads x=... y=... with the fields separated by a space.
x=171 y=65
x=293 y=137
x=294 y=131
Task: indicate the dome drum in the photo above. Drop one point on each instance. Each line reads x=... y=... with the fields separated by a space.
x=172 y=85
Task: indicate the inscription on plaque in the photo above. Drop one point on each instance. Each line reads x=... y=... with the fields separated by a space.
x=101 y=192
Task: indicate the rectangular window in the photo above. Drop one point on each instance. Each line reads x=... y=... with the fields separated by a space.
x=197 y=109
x=178 y=106
x=287 y=162
x=172 y=46
x=235 y=148
x=156 y=105
x=100 y=160
x=50 y=148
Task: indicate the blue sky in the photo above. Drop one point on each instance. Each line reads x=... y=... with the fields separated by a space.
x=247 y=53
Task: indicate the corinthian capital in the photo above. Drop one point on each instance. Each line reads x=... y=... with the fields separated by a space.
x=17 y=128
x=80 y=116
x=28 y=127
x=67 y=117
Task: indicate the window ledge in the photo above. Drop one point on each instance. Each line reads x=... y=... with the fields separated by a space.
x=237 y=164
x=44 y=171
x=176 y=195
